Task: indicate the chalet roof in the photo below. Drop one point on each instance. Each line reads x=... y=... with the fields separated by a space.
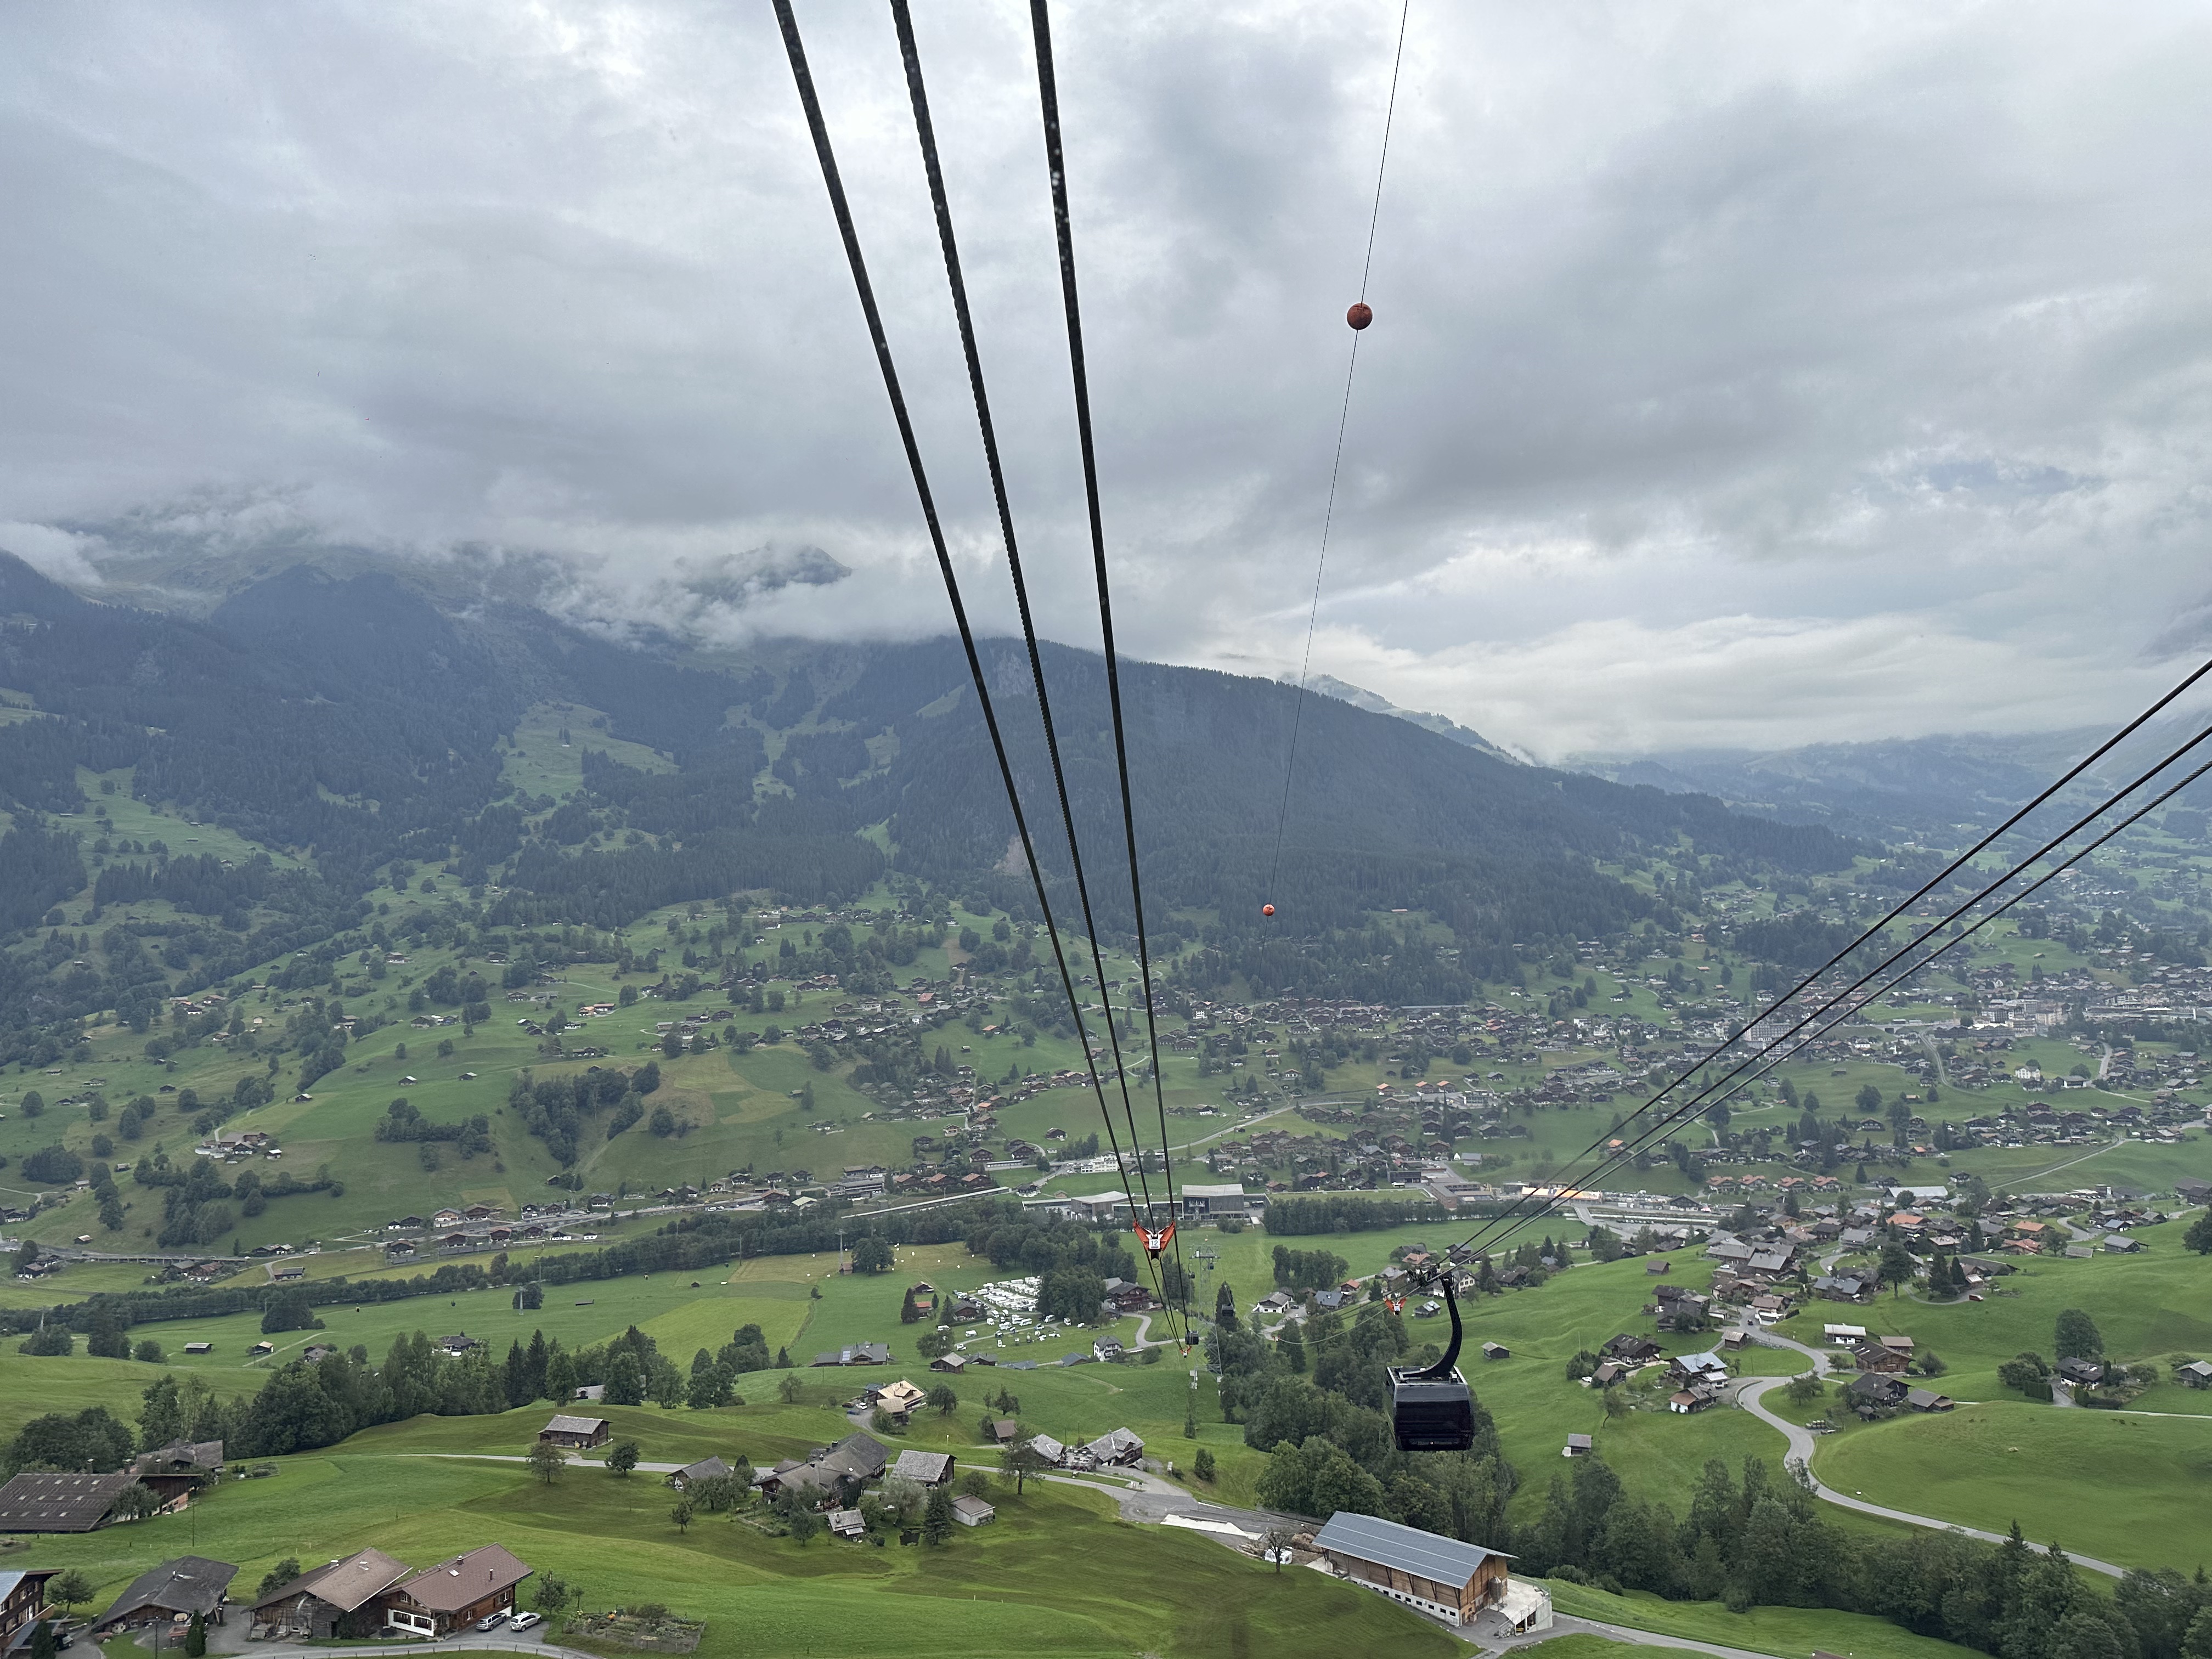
x=191 y=1584
x=465 y=1580
x=59 y=1502
x=926 y=1466
x=1444 y=1560
x=564 y=1424
x=179 y=1456
x=344 y=1584
x=857 y=1453
x=706 y=1468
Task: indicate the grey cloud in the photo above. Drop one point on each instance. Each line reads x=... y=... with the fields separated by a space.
x=1738 y=378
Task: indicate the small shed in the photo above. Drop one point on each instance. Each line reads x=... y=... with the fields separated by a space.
x=1496 y=1351
x=972 y=1511
x=1578 y=1445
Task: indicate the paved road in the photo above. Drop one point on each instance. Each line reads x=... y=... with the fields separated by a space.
x=231 y=1638
x=1750 y=1394
x=1564 y=1625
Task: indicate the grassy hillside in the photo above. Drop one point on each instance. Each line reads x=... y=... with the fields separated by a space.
x=1055 y=1573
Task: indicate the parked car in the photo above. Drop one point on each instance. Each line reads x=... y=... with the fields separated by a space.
x=525 y=1620
x=492 y=1620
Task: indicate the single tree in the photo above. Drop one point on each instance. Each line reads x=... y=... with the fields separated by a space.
x=2077 y=1337
x=196 y=1637
x=936 y=1519
x=681 y=1515
x=1021 y=1460
x=2199 y=1235
x=1202 y=1465
x=788 y=1390
x=71 y=1591
x=943 y=1398
x=622 y=1457
x=1277 y=1545
x=805 y=1524
x=1896 y=1267
x=546 y=1462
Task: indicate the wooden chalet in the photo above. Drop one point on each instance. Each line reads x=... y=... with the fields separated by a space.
x=454 y=1594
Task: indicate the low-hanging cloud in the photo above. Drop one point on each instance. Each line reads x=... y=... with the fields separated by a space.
x=1738 y=377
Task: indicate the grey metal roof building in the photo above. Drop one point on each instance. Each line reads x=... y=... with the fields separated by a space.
x=60 y=1503
x=1440 y=1576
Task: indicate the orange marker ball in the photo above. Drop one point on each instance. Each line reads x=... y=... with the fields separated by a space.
x=1360 y=314
x=1266 y=910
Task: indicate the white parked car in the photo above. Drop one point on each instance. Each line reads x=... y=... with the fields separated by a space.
x=524 y=1621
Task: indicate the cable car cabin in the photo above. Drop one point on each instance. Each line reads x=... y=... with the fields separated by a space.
x=1430 y=1413
x=1431 y=1409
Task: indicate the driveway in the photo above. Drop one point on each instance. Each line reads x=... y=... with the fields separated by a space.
x=231 y=1638
x=1751 y=1392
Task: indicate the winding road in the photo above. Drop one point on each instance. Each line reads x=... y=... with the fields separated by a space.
x=1751 y=1394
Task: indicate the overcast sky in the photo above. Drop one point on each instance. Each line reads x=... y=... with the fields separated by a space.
x=1741 y=375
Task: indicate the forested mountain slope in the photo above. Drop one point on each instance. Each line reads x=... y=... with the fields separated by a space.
x=357 y=724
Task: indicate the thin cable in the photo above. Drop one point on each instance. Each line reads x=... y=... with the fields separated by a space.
x=925 y=134
x=1056 y=167
x=1696 y=1108
x=796 y=51
x=1933 y=882
x=1336 y=466
x=1700 y=1101
x=1662 y=1130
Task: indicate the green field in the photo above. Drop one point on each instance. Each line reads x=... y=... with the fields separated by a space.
x=1790 y=1632
x=1055 y=1573
x=2123 y=1487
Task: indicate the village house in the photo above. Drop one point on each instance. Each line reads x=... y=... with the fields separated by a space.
x=926 y=1468
x=22 y=1603
x=575 y=1433
x=179 y=1468
x=859 y=1458
x=1118 y=1449
x=455 y=1593
x=1441 y=1576
x=860 y=1353
x=330 y=1600
x=160 y=1595
x=899 y=1399
x=706 y=1468
x=1871 y=1392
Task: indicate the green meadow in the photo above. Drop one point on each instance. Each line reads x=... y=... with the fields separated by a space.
x=1789 y=1632
x=1055 y=1572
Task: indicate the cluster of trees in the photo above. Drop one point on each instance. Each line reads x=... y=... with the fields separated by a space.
x=1308 y=1270
x=1290 y=1218
x=1752 y=1538
x=1317 y=1405
x=404 y=1120
x=558 y=1111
